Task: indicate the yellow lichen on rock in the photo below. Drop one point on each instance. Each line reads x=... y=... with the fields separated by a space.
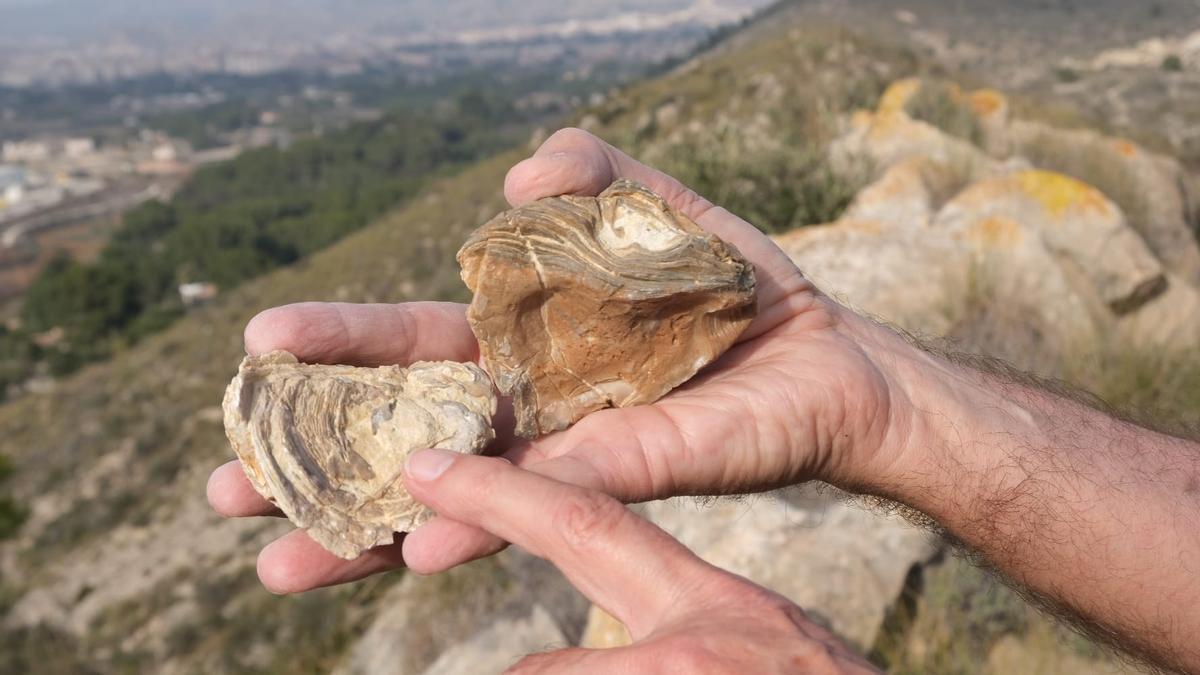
x=1125 y=147
x=987 y=102
x=895 y=99
x=1060 y=194
x=997 y=232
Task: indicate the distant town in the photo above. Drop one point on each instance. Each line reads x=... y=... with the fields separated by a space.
x=90 y=129
x=62 y=193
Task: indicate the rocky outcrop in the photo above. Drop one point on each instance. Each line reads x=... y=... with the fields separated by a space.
x=478 y=618
x=948 y=228
x=846 y=564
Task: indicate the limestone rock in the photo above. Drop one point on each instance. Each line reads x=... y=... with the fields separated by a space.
x=1153 y=190
x=907 y=275
x=327 y=444
x=1074 y=220
x=583 y=303
x=847 y=565
x=501 y=645
x=476 y=618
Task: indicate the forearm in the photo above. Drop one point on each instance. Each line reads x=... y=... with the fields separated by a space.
x=1094 y=514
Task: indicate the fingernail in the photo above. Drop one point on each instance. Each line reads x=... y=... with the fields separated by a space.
x=427 y=465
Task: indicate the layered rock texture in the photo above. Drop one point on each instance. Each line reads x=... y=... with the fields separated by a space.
x=327 y=444
x=583 y=303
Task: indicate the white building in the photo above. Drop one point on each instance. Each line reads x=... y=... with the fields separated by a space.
x=24 y=151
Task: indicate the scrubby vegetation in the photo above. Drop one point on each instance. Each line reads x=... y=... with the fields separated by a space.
x=792 y=186
x=237 y=220
x=943 y=105
x=12 y=514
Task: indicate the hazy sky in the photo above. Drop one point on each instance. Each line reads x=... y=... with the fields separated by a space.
x=79 y=18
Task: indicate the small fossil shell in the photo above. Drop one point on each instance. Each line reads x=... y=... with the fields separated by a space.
x=327 y=444
x=583 y=303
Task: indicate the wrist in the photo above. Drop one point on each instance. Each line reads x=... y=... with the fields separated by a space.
x=947 y=423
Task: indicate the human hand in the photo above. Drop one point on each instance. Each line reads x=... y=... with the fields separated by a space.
x=806 y=393
x=683 y=614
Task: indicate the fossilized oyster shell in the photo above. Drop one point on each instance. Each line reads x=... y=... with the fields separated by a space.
x=583 y=303
x=327 y=444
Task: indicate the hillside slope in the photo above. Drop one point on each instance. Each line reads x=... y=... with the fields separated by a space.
x=121 y=565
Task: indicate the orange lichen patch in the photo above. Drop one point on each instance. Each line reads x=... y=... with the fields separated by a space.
x=1059 y=194
x=862 y=119
x=995 y=232
x=886 y=124
x=861 y=226
x=898 y=95
x=1125 y=147
x=987 y=102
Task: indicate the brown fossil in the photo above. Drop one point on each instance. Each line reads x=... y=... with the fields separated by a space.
x=583 y=303
x=327 y=444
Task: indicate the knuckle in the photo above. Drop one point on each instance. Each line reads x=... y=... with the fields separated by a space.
x=404 y=328
x=572 y=134
x=587 y=518
x=814 y=656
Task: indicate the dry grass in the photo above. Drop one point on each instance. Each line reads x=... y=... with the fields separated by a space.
x=942 y=105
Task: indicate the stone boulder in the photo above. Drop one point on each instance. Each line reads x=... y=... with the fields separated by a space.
x=906 y=275
x=949 y=232
x=477 y=618
x=500 y=645
x=1155 y=191
x=845 y=565
x=1020 y=216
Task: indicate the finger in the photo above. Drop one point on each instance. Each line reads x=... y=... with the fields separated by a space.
x=623 y=563
x=580 y=660
x=365 y=335
x=442 y=544
x=231 y=494
x=573 y=161
x=295 y=563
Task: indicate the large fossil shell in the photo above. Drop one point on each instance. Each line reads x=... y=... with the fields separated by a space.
x=327 y=444
x=583 y=303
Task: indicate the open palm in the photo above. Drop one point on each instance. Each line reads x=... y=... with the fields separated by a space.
x=799 y=396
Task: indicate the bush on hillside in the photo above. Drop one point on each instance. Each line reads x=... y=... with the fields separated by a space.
x=943 y=106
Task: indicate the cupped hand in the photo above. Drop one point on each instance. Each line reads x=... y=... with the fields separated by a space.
x=683 y=614
x=804 y=394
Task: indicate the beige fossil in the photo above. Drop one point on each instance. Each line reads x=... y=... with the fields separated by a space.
x=327 y=444
x=583 y=303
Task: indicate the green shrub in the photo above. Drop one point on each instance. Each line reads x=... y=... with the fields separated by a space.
x=1172 y=64
x=775 y=191
x=12 y=514
x=1067 y=75
x=939 y=104
x=236 y=220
